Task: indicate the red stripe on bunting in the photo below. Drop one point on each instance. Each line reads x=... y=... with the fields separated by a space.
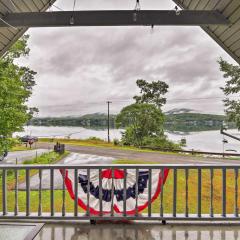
x=118 y=174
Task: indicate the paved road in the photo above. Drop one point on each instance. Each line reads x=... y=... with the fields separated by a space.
x=22 y=156
x=72 y=158
x=145 y=156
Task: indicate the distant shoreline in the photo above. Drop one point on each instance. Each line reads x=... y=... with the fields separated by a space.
x=104 y=128
x=180 y=122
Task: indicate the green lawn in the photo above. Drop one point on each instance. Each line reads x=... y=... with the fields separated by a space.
x=168 y=193
x=46 y=158
x=101 y=143
x=22 y=147
x=192 y=190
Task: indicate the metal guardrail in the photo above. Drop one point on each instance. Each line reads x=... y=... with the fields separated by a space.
x=193 y=152
x=179 y=179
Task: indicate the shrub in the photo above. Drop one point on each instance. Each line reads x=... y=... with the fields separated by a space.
x=162 y=143
x=116 y=142
x=95 y=139
x=45 y=158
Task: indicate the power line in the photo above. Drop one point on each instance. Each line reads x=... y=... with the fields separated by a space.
x=180 y=99
x=85 y=105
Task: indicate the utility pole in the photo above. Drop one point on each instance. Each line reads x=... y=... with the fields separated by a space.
x=108 y=103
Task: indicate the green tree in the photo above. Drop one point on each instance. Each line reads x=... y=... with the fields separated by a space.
x=231 y=89
x=16 y=87
x=152 y=92
x=142 y=121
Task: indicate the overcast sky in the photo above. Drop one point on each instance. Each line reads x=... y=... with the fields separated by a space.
x=79 y=68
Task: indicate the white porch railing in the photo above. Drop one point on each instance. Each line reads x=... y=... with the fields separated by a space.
x=188 y=189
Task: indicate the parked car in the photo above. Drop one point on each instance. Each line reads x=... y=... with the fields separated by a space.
x=5 y=153
x=28 y=139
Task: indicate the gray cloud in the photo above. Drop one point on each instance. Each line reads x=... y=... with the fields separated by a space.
x=80 y=68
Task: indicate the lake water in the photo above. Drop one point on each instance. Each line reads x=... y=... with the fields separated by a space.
x=203 y=141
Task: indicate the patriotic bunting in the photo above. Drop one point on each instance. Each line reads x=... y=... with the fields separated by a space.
x=113 y=189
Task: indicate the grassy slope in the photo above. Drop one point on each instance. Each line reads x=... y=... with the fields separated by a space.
x=21 y=147
x=46 y=158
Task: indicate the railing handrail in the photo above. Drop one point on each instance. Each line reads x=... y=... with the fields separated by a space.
x=124 y=166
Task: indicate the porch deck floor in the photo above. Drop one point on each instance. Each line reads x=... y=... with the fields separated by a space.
x=140 y=231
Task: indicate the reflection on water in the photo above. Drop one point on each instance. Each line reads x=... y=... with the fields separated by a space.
x=138 y=232
x=69 y=132
x=203 y=141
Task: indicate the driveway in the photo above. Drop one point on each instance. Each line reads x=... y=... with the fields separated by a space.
x=72 y=158
x=21 y=156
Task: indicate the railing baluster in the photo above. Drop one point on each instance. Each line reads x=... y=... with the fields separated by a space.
x=161 y=234
x=150 y=193
x=40 y=193
x=174 y=192
x=136 y=191
x=236 y=192
x=88 y=192
x=16 y=193
x=211 y=191
x=224 y=192
x=236 y=233
x=186 y=183
x=199 y=235
x=27 y=192
x=76 y=192
x=125 y=192
x=162 y=190
x=211 y=235
x=100 y=193
x=52 y=191
x=112 y=193
x=199 y=202
x=4 y=192
x=63 y=194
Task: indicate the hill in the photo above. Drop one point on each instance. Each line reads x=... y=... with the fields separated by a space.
x=179 y=110
x=88 y=120
x=189 y=121
x=175 y=120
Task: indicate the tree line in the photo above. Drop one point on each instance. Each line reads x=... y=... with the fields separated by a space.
x=183 y=122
